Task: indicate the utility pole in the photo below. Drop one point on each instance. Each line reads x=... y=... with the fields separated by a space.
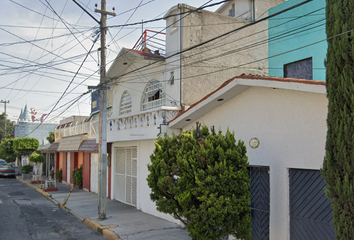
x=102 y=88
x=4 y=102
x=102 y=195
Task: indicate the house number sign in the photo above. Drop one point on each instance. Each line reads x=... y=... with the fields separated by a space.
x=254 y=143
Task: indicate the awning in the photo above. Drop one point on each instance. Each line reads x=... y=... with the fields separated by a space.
x=44 y=148
x=53 y=147
x=71 y=144
x=89 y=146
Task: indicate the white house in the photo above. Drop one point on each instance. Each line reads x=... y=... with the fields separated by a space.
x=283 y=124
x=150 y=85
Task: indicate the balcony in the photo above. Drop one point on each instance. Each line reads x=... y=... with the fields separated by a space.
x=90 y=128
x=144 y=125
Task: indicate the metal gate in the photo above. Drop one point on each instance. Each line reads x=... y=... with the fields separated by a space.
x=259 y=202
x=310 y=209
x=125 y=189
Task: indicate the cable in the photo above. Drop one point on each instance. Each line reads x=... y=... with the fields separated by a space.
x=261 y=42
x=213 y=39
x=66 y=87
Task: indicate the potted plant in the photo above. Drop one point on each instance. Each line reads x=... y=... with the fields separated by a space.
x=59 y=175
x=77 y=176
x=26 y=171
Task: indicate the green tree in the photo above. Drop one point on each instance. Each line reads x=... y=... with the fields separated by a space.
x=201 y=178
x=338 y=169
x=51 y=137
x=6 y=150
x=25 y=146
x=10 y=128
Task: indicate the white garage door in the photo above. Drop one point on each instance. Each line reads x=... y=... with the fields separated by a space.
x=125 y=175
x=94 y=172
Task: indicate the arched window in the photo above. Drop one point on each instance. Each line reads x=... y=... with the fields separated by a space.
x=153 y=95
x=125 y=103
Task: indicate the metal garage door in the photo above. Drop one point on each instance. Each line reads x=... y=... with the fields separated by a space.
x=260 y=202
x=125 y=175
x=310 y=209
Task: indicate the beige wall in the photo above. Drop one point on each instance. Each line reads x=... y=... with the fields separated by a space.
x=207 y=67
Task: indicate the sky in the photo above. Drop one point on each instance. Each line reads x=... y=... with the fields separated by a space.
x=44 y=47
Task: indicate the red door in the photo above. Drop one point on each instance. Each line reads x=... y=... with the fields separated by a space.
x=86 y=171
x=73 y=164
x=64 y=166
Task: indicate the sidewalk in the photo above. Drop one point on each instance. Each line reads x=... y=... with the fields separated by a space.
x=123 y=222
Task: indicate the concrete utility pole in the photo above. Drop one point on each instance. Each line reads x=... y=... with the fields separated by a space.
x=4 y=102
x=102 y=195
x=102 y=88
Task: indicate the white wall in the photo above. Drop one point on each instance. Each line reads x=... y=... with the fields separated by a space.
x=291 y=128
x=145 y=149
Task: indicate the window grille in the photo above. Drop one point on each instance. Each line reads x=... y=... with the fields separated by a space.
x=153 y=95
x=125 y=103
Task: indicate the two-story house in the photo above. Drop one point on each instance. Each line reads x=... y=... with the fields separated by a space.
x=154 y=80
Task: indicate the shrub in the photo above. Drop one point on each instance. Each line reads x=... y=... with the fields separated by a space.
x=201 y=178
x=26 y=168
x=59 y=174
x=36 y=158
x=77 y=176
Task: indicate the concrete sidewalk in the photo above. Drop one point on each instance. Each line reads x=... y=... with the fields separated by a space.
x=132 y=224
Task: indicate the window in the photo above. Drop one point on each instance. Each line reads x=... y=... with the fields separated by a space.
x=232 y=10
x=125 y=103
x=243 y=9
x=153 y=95
x=300 y=69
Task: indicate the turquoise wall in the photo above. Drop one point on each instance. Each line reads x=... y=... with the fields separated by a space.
x=295 y=29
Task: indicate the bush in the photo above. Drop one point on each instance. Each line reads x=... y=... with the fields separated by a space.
x=36 y=158
x=77 y=176
x=26 y=168
x=201 y=178
x=59 y=174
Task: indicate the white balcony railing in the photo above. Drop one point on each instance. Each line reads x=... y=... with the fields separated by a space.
x=90 y=128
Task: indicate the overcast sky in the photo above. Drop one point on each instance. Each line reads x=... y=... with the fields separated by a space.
x=41 y=52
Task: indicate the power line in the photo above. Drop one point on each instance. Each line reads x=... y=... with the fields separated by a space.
x=88 y=53
x=215 y=38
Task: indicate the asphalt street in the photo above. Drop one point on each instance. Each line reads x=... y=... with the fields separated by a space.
x=27 y=214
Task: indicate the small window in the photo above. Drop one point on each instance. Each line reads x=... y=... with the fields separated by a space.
x=244 y=9
x=125 y=103
x=232 y=10
x=300 y=69
x=153 y=95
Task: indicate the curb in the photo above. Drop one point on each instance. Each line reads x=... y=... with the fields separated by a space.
x=102 y=229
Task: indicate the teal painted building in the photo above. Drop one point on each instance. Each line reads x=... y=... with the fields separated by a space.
x=297 y=40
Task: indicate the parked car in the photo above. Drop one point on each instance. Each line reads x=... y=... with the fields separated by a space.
x=6 y=170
